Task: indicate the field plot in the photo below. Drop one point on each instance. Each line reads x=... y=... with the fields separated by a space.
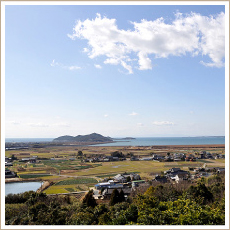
x=72 y=185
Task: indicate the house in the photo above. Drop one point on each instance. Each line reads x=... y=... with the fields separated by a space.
x=179 y=157
x=137 y=183
x=108 y=191
x=168 y=158
x=190 y=157
x=7 y=159
x=146 y=159
x=202 y=155
x=161 y=179
x=158 y=158
x=72 y=159
x=99 y=186
x=133 y=158
x=173 y=172
x=32 y=160
x=123 y=178
x=209 y=156
x=220 y=170
x=178 y=178
x=9 y=174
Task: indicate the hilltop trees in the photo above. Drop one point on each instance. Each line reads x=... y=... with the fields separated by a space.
x=116 y=197
x=89 y=200
x=199 y=204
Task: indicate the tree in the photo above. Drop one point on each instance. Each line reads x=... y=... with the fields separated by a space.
x=121 y=196
x=80 y=153
x=89 y=200
x=200 y=193
x=117 y=154
x=115 y=197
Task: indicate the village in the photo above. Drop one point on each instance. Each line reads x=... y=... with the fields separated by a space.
x=128 y=181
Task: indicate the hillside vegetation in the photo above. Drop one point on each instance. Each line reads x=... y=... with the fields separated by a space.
x=94 y=137
x=202 y=203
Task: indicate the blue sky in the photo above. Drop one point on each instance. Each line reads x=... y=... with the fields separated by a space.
x=142 y=71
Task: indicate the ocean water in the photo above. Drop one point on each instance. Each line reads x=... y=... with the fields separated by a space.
x=147 y=141
x=144 y=141
x=27 y=140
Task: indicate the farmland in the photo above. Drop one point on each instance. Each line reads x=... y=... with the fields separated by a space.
x=62 y=166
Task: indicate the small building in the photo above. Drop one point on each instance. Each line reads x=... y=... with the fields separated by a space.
x=123 y=178
x=99 y=186
x=137 y=183
x=220 y=170
x=178 y=178
x=108 y=191
x=133 y=158
x=32 y=160
x=9 y=174
x=161 y=179
x=146 y=159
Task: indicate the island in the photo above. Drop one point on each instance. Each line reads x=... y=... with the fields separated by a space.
x=90 y=138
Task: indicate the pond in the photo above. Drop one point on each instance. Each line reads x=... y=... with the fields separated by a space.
x=20 y=187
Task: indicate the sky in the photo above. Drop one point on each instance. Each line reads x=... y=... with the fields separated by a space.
x=117 y=70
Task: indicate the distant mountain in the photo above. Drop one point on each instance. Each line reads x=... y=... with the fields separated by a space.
x=93 y=137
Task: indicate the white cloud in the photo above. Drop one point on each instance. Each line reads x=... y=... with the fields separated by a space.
x=192 y=33
x=42 y=125
x=98 y=66
x=85 y=50
x=144 y=62
x=140 y=124
x=106 y=115
x=133 y=114
x=15 y=122
x=160 y=123
x=73 y=67
x=61 y=124
x=54 y=63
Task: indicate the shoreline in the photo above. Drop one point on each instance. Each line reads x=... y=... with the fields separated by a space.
x=168 y=146
x=16 y=179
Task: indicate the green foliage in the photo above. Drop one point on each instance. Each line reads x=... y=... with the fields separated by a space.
x=116 y=197
x=163 y=192
x=200 y=193
x=200 y=204
x=80 y=153
x=89 y=200
x=27 y=176
x=69 y=189
x=83 y=180
x=18 y=198
x=117 y=154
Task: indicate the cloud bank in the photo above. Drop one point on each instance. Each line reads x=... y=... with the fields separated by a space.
x=192 y=34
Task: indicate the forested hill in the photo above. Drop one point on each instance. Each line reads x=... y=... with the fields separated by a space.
x=93 y=137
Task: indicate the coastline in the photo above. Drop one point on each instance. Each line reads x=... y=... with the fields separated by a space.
x=16 y=179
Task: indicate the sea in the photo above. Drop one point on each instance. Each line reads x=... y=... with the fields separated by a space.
x=143 y=141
